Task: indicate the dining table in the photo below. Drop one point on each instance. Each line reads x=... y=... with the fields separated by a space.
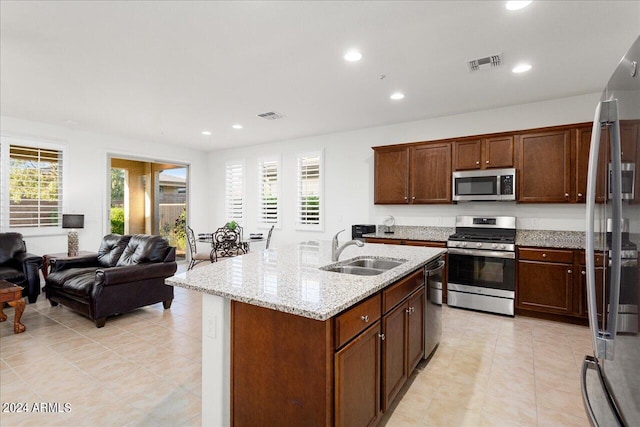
x=245 y=242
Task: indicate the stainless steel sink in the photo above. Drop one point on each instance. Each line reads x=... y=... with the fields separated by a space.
x=378 y=263
x=349 y=269
x=364 y=266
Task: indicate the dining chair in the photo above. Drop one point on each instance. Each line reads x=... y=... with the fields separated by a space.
x=269 y=237
x=195 y=256
x=226 y=243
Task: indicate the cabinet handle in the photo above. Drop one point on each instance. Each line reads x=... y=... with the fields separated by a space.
x=579 y=194
x=478 y=162
x=487 y=162
x=365 y=319
x=566 y=195
x=408 y=310
x=381 y=336
x=413 y=198
x=583 y=273
x=569 y=271
x=544 y=255
x=406 y=198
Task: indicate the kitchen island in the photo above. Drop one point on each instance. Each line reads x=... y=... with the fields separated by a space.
x=273 y=323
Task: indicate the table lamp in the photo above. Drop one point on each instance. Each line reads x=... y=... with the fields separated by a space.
x=72 y=221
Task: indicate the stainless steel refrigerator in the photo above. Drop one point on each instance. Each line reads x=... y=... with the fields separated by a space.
x=611 y=375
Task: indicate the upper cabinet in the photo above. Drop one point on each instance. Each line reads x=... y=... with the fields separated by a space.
x=391 y=176
x=483 y=153
x=544 y=163
x=581 y=150
x=413 y=174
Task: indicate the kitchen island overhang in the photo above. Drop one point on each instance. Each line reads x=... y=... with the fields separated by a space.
x=288 y=280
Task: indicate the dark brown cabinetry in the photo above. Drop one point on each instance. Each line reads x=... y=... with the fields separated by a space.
x=581 y=149
x=403 y=332
x=413 y=174
x=483 y=153
x=357 y=374
x=553 y=281
x=544 y=163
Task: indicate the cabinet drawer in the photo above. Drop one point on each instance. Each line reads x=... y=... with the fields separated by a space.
x=357 y=319
x=425 y=243
x=598 y=257
x=383 y=241
x=395 y=293
x=548 y=255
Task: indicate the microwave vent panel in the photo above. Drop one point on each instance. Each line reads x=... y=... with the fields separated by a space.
x=485 y=63
x=271 y=115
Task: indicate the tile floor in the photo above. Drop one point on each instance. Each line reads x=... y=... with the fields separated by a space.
x=144 y=368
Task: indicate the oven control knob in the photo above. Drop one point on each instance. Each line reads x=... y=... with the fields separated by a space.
x=464 y=244
x=502 y=246
x=478 y=245
x=493 y=246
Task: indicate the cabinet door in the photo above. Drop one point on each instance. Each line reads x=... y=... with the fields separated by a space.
x=391 y=176
x=628 y=141
x=602 y=288
x=582 y=147
x=394 y=350
x=466 y=154
x=415 y=330
x=498 y=152
x=357 y=380
x=545 y=287
x=431 y=173
x=544 y=160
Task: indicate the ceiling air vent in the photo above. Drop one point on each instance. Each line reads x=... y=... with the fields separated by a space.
x=271 y=115
x=485 y=63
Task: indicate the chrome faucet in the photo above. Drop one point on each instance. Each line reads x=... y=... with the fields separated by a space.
x=336 y=251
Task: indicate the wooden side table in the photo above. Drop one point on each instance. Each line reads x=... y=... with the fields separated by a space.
x=61 y=255
x=12 y=294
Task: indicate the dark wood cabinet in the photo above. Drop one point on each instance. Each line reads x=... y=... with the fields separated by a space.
x=544 y=163
x=581 y=149
x=391 y=175
x=545 y=280
x=357 y=380
x=483 y=153
x=415 y=174
x=430 y=173
x=403 y=331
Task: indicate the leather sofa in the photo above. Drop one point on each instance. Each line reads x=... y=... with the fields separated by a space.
x=19 y=266
x=128 y=272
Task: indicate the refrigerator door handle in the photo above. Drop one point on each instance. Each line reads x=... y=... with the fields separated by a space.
x=588 y=363
x=602 y=341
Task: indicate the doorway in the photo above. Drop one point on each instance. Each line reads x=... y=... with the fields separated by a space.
x=149 y=198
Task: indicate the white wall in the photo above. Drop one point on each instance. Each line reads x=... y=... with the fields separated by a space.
x=86 y=178
x=348 y=171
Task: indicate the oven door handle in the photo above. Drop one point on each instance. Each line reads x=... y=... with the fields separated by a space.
x=479 y=252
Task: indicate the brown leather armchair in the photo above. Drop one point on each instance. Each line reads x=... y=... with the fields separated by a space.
x=19 y=266
x=128 y=272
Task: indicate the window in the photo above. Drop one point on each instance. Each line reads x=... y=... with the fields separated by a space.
x=309 y=192
x=268 y=192
x=32 y=174
x=235 y=191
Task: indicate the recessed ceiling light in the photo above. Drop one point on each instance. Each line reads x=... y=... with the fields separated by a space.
x=353 y=56
x=397 y=95
x=515 y=5
x=237 y=126
x=521 y=68
x=206 y=132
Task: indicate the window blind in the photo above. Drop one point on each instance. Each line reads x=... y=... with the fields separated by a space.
x=309 y=197
x=268 y=202
x=35 y=186
x=235 y=192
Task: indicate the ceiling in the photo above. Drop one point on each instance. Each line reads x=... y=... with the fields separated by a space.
x=166 y=71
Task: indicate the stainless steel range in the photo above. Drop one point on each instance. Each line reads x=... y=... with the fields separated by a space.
x=482 y=264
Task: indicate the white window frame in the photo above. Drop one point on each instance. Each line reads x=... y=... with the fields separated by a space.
x=231 y=213
x=298 y=223
x=5 y=143
x=278 y=191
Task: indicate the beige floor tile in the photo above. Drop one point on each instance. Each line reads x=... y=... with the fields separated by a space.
x=550 y=417
x=561 y=401
x=449 y=413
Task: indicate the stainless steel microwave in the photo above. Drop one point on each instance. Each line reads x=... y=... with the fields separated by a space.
x=628 y=179
x=493 y=184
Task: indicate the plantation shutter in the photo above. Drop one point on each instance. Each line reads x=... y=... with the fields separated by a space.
x=235 y=192
x=268 y=201
x=309 y=191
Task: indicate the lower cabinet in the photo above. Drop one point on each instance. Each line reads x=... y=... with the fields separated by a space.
x=357 y=376
x=553 y=281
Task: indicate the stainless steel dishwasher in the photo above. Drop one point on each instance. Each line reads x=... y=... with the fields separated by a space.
x=433 y=305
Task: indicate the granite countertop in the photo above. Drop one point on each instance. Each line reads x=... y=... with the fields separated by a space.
x=551 y=239
x=405 y=232
x=288 y=278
